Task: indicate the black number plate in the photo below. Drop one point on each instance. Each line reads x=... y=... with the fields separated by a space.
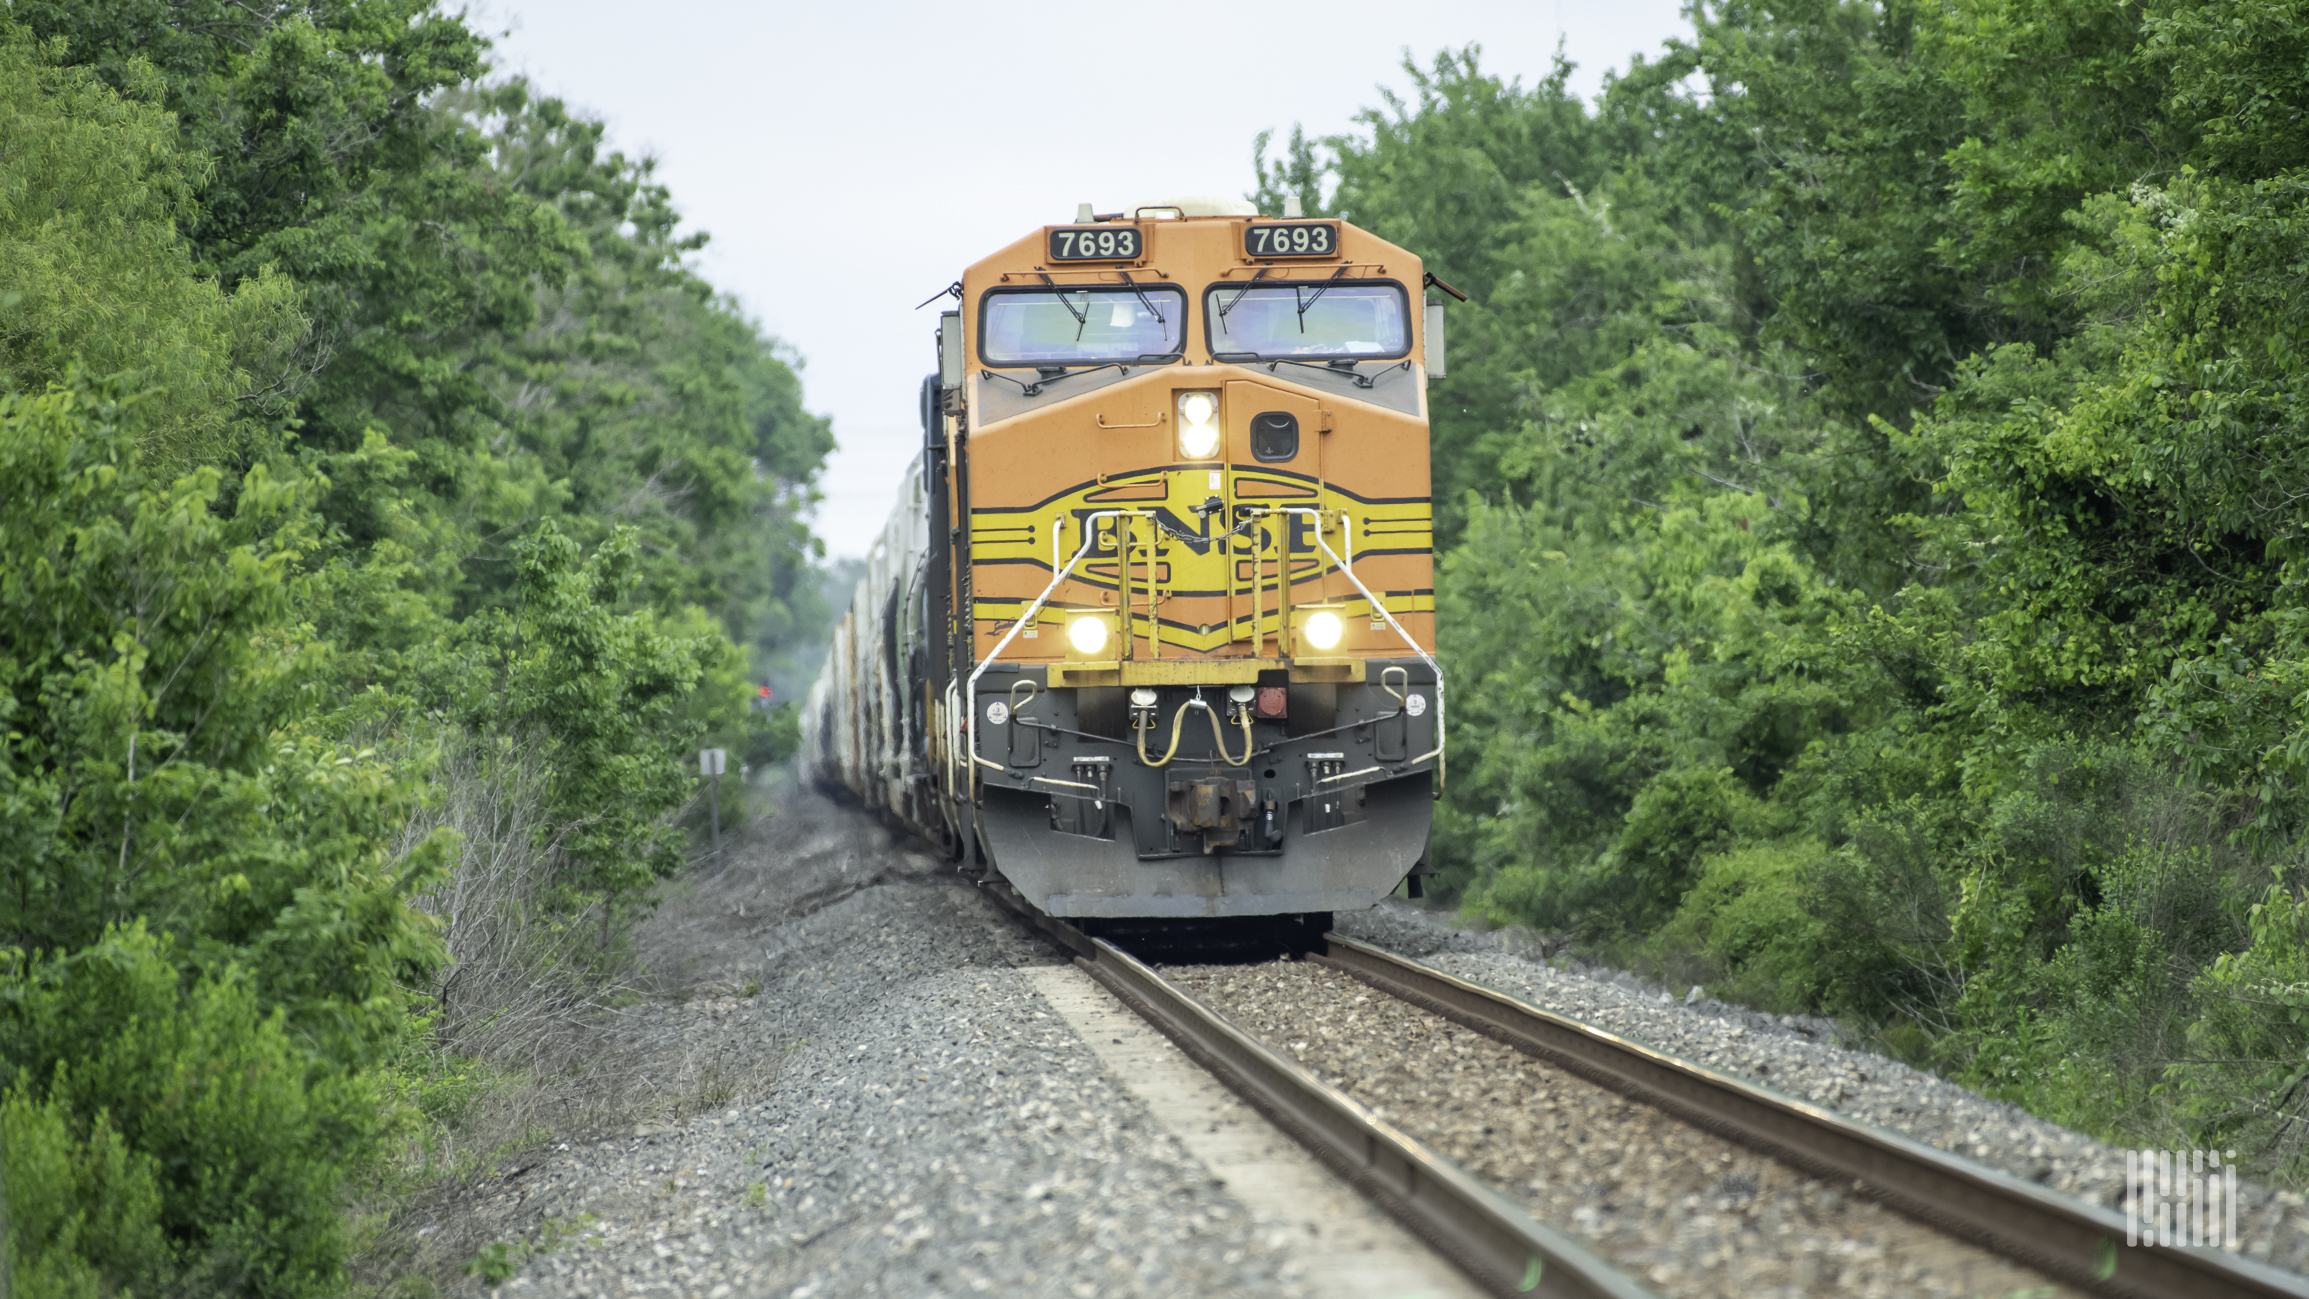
x=1290 y=239
x=1096 y=244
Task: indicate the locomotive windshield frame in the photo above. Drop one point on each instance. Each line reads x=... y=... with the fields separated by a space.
x=1085 y=324
x=1250 y=319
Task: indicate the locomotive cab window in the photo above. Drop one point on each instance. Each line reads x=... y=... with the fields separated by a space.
x=1069 y=325
x=1324 y=320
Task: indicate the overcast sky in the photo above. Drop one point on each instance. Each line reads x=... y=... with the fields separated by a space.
x=850 y=159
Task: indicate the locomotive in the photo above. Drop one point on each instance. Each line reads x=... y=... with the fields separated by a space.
x=1150 y=631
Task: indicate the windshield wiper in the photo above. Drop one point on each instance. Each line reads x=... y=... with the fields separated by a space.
x=1240 y=292
x=1320 y=290
x=1081 y=318
x=1046 y=375
x=1347 y=369
x=1344 y=367
x=1049 y=374
x=1144 y=301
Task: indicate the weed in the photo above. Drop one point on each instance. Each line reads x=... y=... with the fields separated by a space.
x=554 y=1231
x=496 y=1263
x=499 y=1260
x=714 y=1091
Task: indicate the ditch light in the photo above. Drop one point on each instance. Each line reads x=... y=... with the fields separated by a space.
x=1090 y=636
x=1319 y=625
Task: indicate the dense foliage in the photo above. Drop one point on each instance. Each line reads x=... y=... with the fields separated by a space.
x=363 y=430
x=1873 y=574
x=1869 y=484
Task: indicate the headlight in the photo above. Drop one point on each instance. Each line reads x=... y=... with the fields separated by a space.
x=1087 y=634
x=1198 y=425
x=1090 y=635
x=1323 y=629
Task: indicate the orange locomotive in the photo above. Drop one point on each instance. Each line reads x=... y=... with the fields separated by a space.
x=1151 y=631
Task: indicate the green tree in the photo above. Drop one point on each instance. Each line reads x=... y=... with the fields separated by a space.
x=652 y=398
x=96 y=274
x=159 y=766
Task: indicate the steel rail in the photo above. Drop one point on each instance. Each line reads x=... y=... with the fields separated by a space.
x=1485 y=1234
x=2074 y=1240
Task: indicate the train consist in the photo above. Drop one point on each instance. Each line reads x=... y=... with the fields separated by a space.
x=1150 y=631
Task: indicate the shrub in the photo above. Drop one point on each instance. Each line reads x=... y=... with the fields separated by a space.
x=83 y=1210
x=2246 y=1078
x=1677 y=818
x=611 y=694
x=207 y=937
x=157 y=758
x=1749 y=916
x=92 y=186
x=131 y=1079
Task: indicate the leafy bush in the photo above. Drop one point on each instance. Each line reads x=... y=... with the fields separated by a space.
x=83 y=1210
x=1750 y=916
x=293 y=594
x=156 y=768
x=193 y=1088
x=2245 y=1077
x=157 y=761
x=610 y=694
x=1867 y=571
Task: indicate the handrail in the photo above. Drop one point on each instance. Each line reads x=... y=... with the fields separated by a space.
x=1346 y=566
x=1089 y=539
x=1156 y=422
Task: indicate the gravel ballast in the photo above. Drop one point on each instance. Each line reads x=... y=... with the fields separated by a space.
x=856 y=1089
x=1807 y=1059
x=1687 y=1212
x=905 y=1115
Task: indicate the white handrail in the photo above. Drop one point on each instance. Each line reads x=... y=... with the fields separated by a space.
x=1089 y=538
x=1347 y=525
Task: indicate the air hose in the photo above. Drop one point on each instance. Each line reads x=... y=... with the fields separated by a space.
x=1218 y=737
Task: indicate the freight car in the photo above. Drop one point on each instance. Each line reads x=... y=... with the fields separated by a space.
x=1150 y=631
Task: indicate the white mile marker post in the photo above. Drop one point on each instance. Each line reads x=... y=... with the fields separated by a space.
x=711 y=763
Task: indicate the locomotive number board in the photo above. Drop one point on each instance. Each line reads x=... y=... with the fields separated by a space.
x=1097 y=244
x=1291 y=239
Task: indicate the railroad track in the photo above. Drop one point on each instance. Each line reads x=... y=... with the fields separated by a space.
x=1499 y=1243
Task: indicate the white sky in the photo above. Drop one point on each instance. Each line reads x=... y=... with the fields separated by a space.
x=850 y=159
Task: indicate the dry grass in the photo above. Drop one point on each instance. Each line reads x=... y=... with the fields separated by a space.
x=546 y=1027
x=523 y=1048
x=528 y=980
